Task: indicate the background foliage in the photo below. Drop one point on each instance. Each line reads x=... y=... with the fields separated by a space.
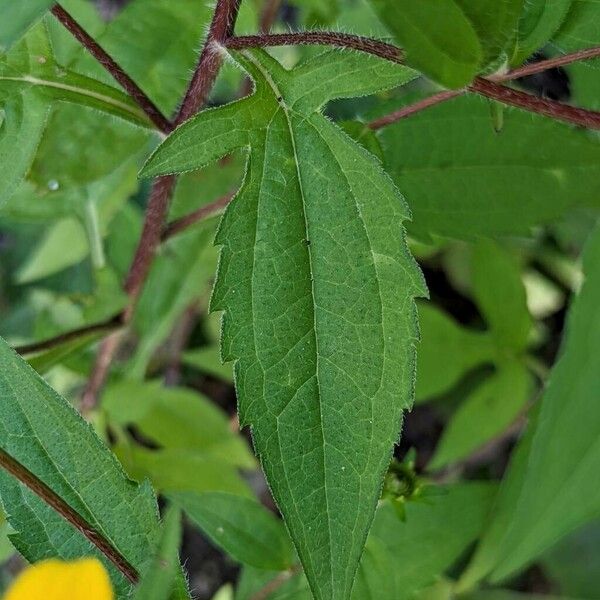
x=491 y=492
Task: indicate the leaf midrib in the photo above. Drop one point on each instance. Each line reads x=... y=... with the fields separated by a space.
x=285 y=108
x=132 y=110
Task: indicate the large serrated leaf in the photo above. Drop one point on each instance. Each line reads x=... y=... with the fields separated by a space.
x=41 y=432
x=318 y=288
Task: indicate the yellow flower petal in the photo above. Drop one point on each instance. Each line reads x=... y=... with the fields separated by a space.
x=84 y=579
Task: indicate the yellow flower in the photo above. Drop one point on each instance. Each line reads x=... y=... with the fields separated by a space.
x=84 y=579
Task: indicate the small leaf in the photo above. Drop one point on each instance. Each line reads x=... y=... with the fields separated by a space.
x=241 y=527
x=463 y=350
x=438 y=38
x=485 y=413
x=176 y=419
x=317 y=225
x=500 y=294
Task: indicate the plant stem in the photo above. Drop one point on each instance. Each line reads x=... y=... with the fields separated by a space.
x=411 y=109
x=130 y=86
x=38 y=487
x=324 y=38
x=551 y=63
x=204 y=76
x=556 y=110
x=104 y=358
x=108 y=325
x=203 y=213
x=268 y=15
x=210 y=60
x=156 y=214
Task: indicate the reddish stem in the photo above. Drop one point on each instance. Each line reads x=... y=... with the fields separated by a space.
x=556 y=110
x=210 y=60
x=325 y=38
x=204 y=212
x=411 y=109
x=130 y=86
x=551 y=63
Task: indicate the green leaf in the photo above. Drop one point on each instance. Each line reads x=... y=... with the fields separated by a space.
x=462 y=349
x=159 y=52
x=550 y=488
x=179 y=470
x=176 y=418
x=473 y=181
x=159 y=579
x=485 y=413
x=17 y=17
x=318 y=226
x=434 y=535
x=495 y=22
x=44 y=434
x=22 y=121
x=500 y=294
x=241 y=527
x=31 y=66
x=373 y=578
x=540 y=20
x=438 y=38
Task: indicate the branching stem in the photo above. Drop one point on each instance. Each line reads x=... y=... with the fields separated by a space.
x=130 y=86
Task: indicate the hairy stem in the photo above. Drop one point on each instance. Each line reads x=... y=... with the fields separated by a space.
x=325 y=38
x=549 y=108
x=38 y=487
x=551 y=63
x=130 y=86
x=210 y=60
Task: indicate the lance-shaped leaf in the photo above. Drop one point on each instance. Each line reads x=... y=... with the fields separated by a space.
x=317 y=286
x=551 y=487
x=31 y=66
x=66 y=495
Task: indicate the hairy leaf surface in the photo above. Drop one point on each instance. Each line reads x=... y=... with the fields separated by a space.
x=42 y=432
x=318 y=287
